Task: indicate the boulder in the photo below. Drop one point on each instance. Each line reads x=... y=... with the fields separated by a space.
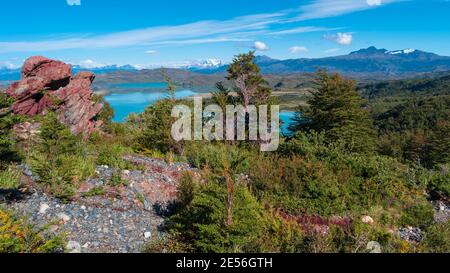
x=49 y=85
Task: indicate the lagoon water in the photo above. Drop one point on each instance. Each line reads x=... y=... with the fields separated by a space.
x=132 y=99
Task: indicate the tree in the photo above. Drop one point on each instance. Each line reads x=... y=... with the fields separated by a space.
x=7 y=121
x=156 y=122
x=338 y=110
x=248 y=81
x=171 y=88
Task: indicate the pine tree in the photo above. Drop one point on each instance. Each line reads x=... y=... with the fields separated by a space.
x=338 y=110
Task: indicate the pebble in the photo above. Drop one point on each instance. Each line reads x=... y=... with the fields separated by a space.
x=43 y=208
x=73 y=247
x=147 y=234
x=64 y=217
x=367 y=220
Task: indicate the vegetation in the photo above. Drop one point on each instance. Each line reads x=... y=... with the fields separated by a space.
x=60 y=159
x=385 y=158
x=17 y=236
x=337 y=109
x=7 y=121
x=417 y=131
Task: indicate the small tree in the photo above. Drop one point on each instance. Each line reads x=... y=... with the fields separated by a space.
x=171 y=88
x=338 y=110
x=156 y=123
x=247 y=79
x=7 y=121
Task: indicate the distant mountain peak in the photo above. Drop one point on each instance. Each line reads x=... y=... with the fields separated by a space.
x=369 y=51
x=207 y=63
x=264 y=59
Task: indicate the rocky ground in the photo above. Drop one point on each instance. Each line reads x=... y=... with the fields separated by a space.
x=122 y=219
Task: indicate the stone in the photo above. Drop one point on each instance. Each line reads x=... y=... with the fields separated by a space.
x=147 y=234
x=43 y=208
x=49 y=85
x=64 y=217
x=367 y=220
x=73 y=247
x=373 y=247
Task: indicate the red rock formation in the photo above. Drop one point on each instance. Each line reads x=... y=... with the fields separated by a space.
x=49 y=85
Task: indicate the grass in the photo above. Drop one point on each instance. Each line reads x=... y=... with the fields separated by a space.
x=96 y=191
x=9 y=178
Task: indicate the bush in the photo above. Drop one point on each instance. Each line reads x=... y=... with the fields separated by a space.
x=202 y=223
x=309 y=176
x=7 y=121
x=437 y=239
x=16 y=236
x=60 y=159
x=62 y=175
x=112 y=155
x=439 y=184
x=213 y=156
x=155 y=128
x=421 y=215
x=9 y=179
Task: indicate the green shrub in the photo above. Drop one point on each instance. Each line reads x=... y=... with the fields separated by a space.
x=421 y=215
x=7 y=121
x=96 y=191
x=9 y=178
x=155 y=128
x=60 y=160
x=112 y=155
x=437 y=239
x=17 y=236
x=439 y=184
x=202 y=223
x=213 y=156
x=309 y=176
x=116 y=179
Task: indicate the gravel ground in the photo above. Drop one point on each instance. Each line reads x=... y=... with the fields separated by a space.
x=121 y=220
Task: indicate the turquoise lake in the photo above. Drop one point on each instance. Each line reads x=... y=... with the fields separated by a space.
x=129 y=100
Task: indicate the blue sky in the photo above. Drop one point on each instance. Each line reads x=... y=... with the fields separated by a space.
x=154 y=33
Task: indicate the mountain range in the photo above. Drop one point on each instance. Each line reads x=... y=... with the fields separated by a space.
x=369 y=63
x=364 y=62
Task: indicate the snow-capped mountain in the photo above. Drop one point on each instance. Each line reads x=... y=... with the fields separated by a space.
x=203 y=64
x=403 y=51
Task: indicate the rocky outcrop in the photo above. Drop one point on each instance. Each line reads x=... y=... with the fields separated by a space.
x=49 y=85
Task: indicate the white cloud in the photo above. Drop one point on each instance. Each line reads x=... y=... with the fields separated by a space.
x=374 y=2
x=74 y=2
x=8 y=65
x=340 y=38
x=330 y=8
x=301 y=30
x=236 y=29
x=151 y=52
x=88 y=64
x=297 y=49
x=260 y=46
x=239 y=29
